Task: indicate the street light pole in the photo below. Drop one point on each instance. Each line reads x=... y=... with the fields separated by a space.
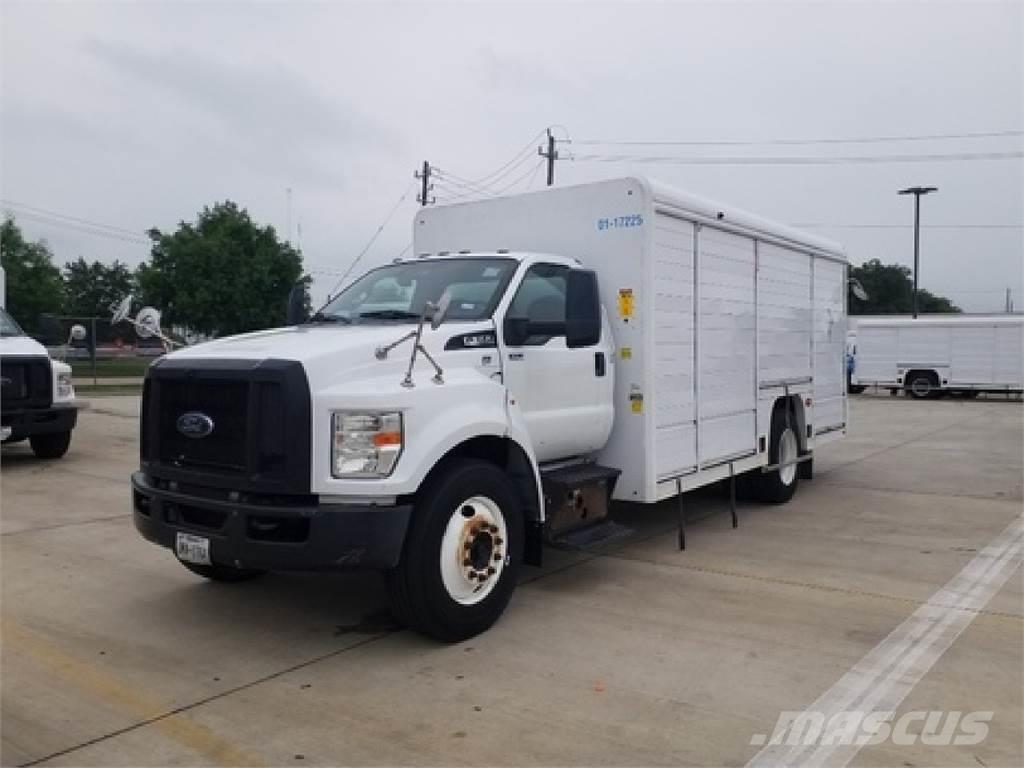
x=916 y=192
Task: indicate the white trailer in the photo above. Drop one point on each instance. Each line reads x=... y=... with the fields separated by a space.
x=612 y=340
x=928 y=356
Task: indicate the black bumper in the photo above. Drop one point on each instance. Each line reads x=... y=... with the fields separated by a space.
x=39 y=421
x=302 y=537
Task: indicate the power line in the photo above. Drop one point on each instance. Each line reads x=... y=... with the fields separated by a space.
x=791 y=142
x=518 y=179
x=63 y=224
x=526 y=150
x=55 y=214
x=907 y=226
x=798 y=160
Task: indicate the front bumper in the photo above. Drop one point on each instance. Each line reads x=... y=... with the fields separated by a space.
x=19 y=424
x=279 y=536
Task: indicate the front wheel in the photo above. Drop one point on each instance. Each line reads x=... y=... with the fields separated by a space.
x=462 y=553
x=50 y=446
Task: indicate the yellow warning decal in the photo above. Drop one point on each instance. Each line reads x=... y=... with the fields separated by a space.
x=626 y=353
x=625 y=303
x=636 y=399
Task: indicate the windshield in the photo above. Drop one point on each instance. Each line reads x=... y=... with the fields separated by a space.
x=8 y=327
x=398 y=292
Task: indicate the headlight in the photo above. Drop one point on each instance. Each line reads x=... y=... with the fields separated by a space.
x=365 y=444
x=64 y=389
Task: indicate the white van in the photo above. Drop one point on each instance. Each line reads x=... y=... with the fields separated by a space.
x=37 y=399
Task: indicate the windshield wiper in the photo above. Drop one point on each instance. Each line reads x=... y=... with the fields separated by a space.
x=389 y=314
x=320 y=317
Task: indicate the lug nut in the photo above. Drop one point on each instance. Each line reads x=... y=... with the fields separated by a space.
x=491 y=571
x=498 y=542
x=497 y=557
x=494 y=529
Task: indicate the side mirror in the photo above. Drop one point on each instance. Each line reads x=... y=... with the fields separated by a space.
x=440 y=310
x=296 y=305
x=582 y=309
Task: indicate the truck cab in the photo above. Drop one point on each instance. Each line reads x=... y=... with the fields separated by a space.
x=518 y=372
x=37 y=399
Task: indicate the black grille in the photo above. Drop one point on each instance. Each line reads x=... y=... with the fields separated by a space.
x=260 y=411
x=25 y=382
x=225 y=403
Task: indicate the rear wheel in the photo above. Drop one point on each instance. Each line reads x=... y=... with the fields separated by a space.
x=921 y=384
x=50 y=446
x=462 y=553
x=779 y=485
x=217 y=572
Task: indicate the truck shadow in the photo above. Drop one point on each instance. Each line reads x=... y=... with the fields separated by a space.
x=353 y=604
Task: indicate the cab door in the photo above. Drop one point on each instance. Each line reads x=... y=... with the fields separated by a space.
x=557 y=361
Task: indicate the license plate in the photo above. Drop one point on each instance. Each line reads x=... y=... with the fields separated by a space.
x=193 y=549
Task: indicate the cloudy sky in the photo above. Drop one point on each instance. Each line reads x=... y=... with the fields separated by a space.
x=117 y=117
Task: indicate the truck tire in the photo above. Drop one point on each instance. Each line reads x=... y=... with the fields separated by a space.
x=462 y=553
x=921 y=384
x=778 y=486
x=227 y=573
x=50 y=446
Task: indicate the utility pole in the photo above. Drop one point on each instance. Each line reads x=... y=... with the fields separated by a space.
x=288 y=214
x=551 y=156
x=917 y=192
x=424 y=198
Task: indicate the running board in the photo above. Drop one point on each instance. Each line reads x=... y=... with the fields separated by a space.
x=592 y=536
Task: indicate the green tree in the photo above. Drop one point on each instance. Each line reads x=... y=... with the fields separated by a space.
x=890 y=289
x=224 y=274
x=90 y=289
x=33 y=282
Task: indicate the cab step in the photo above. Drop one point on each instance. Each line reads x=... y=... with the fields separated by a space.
x=576 y=498
x=591 y=536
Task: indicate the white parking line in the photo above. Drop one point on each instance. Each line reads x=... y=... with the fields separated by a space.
x=882 y=679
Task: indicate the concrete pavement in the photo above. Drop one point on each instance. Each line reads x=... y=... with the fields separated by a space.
x=641 y=655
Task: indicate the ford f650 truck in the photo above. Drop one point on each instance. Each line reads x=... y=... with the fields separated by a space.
x=612 y=341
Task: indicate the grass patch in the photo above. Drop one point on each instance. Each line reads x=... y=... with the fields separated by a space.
x=107 y=390
x=120 y=366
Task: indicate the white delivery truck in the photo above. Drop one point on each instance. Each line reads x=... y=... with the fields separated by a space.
x=929 y=356
x=37 y=399
x=615 y=340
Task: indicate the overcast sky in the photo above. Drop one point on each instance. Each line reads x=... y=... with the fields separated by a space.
x=137 y=115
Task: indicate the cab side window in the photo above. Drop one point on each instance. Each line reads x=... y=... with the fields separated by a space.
x=540 y=301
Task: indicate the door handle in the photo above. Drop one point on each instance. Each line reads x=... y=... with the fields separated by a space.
x=599 y=364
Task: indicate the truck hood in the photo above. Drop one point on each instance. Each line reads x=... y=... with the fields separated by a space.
x=336 y=354
x=21 y=345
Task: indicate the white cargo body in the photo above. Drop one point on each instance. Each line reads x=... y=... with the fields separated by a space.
x=949 y=352
x=715 y=314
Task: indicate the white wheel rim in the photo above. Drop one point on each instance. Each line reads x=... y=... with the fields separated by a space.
x=788 y=452
x=474 y=550
x=921 y=387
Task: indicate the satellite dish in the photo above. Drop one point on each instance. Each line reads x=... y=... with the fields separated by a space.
x=858 y=289
x=440 y=310
x=77 y=332
x=121 y=309
x=147 y=322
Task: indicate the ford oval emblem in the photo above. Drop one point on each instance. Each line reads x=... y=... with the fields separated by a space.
x=195 y=424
